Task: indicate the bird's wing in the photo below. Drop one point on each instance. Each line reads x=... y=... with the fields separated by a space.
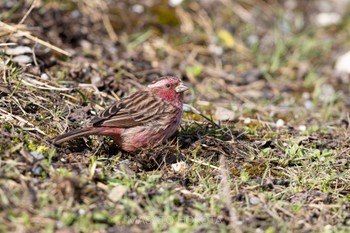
x=137 y=109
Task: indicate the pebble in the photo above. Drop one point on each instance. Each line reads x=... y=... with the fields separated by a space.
x=117 y=193
x=44 y=76
x=18 y=50
x=302 y=127
x=37 y=155
x=97 y=81
x=279 y=123
x=254 y=200
x=179 y=167
x=343 y=63
x=22 y=59
x=81 y=212
x=174 y=3
x=247 y=121
x=252 y=39
x=308 y=104
x=328 y=18
x=37 y=170
x=137 y=8
x=224 y=114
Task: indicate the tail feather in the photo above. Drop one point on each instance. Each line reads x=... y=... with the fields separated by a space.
x=77 y=133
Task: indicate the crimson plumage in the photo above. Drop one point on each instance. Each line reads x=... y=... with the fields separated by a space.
x=139 y=120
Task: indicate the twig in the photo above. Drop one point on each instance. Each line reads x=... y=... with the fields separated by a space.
x=25 y=16
x=20 y=119
x=109 y=28
x=6 y=44
x=204 y=164
x=195 y=111
x=15 y=100
x=28 y=12
x=40 y=85
x=29 y=36
x=34 y=56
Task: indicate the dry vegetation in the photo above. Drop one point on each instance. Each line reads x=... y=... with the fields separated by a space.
x=272 y=155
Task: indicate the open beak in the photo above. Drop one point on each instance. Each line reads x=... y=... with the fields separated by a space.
x=181 y=88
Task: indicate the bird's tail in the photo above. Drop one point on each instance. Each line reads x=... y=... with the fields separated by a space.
x=77 y=133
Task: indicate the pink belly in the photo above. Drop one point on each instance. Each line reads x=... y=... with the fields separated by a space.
x=143 y=136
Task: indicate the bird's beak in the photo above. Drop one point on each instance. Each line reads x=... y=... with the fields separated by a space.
x=181 y=88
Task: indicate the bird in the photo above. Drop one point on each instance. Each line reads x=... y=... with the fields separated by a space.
x=139 y=120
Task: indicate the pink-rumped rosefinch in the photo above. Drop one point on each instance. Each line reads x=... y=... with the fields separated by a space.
x=139 y=120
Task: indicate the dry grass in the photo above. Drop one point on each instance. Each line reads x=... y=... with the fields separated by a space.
x=280 y=165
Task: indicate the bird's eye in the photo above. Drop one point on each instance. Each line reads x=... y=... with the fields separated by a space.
x=167 y=85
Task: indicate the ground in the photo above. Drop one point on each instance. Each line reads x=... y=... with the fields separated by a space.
x=270 y=156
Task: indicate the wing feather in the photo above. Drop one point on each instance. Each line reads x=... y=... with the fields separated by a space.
x=138 y=109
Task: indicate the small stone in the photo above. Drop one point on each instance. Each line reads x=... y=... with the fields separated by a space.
x=37 y=170
x=81 y=212
x=37 y=155
x=97 y=81
x=224 y=114
x=279 y=123
x=20 y=50
x=254 y=200
x=302 y=127
x=252 y=39
x=22 y=59
x=247 y=121
x=179 y=167
x=117 y=193
x=308 y=104
x=86 y=45
x=306 y=95
x=343 y=64
x=44 y=76
x=174 y=3
x=328 y=18
x=137 y=8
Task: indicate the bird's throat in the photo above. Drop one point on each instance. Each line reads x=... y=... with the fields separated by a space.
x=171 y=96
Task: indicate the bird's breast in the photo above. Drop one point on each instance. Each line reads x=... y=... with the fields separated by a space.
x=152 y=133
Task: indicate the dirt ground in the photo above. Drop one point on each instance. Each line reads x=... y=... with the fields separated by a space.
x=271 y=153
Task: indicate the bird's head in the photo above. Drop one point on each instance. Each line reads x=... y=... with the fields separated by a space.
x=169 y=88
